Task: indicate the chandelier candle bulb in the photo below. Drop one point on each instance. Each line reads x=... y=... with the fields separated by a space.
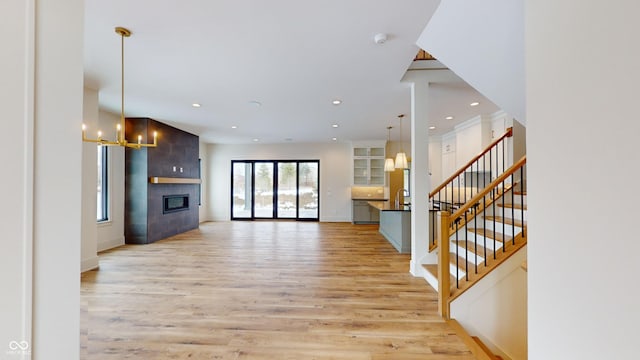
x=139 y=139
x=118 y=132
x=99 y=135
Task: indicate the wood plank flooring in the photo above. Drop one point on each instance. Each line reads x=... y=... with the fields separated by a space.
x=263 y=290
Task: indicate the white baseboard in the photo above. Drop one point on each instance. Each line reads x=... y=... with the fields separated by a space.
x=89 y=264
x=334 y=219
x=110 y=244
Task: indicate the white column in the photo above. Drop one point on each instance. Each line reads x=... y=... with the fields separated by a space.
x=420 y=182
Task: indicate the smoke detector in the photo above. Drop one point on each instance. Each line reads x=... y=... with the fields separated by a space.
x=380 y=38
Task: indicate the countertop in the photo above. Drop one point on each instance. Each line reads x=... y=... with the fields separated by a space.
x=387 y=206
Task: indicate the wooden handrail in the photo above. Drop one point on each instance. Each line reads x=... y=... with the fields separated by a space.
x=508 y=133
x=444 y=286
x=480 y=195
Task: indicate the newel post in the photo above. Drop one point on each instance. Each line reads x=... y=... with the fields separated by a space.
x=444 y=286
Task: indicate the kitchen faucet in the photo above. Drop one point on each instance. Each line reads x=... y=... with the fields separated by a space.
x=405 y=192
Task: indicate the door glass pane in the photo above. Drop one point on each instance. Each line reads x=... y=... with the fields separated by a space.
x=241 y=190
x=263 y=193
x=287 y=185
x=308 y=181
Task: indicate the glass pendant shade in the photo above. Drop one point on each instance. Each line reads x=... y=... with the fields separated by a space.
x=389 y=165
x=401 y=161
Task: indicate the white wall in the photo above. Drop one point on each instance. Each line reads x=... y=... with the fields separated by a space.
x=495 y=309
x=16 y=155
x=204 y=165
x=472 y=136
x=582 y=136
x=42 y=97
x=483 y=43
x=89 y=248
x=335 y=174
x=108 y=234
x=435 y=160
x=111 y=233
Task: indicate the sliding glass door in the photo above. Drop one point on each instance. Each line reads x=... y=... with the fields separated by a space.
x=241 y=190
x=308 y=189
x=272 y=189
x=287 y=190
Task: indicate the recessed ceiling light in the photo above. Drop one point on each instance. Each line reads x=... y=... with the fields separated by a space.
x=335 y=125
x=195 y=105
x=336 y=102
x=256 y=139
x=334 y=139
x=234 y=127
x=449 y=118
x=288 y=139
x=475 y=103
x=432 y=127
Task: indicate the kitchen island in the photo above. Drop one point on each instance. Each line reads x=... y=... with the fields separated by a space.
x=395 y=224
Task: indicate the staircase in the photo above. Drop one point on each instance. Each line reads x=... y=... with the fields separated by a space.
x=486 y=240
x=480 y=235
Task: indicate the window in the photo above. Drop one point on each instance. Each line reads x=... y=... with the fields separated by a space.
x=102 y=185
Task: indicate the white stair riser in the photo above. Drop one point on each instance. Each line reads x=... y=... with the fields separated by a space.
x=461 y=273
x=470 y=255
x=481 y=240
x=518 y=214
x=501 y=227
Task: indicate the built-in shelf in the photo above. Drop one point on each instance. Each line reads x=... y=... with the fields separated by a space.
x=173 y=180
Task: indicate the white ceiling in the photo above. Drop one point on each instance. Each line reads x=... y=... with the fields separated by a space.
x=292 y=56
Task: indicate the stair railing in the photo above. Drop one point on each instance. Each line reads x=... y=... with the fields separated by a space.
x=465 y=243
x=461 y=186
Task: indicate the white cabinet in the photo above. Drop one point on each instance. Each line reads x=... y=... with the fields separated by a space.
x=368 y=165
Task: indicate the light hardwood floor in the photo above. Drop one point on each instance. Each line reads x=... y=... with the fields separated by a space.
x=263 y=290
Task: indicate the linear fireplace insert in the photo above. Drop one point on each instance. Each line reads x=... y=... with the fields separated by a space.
x=173 y=203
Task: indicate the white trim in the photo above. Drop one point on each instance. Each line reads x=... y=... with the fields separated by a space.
x=29 y=131
x=334 y=219
x=431 y=280
x=110 y=244
x=478 y=119
x=416 y=269
x=89 y=264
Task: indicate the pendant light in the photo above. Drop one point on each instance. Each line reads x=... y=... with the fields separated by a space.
x=121 y=139
x=401 y=157
x=388 y=162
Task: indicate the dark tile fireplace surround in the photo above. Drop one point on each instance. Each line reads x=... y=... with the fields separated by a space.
x=160 y=201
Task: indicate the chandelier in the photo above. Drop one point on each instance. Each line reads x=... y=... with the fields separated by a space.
x=121 y=139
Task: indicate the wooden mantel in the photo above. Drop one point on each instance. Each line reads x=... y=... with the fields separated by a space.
x=173 y=180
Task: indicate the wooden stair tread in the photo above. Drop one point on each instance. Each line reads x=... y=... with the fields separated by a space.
x=507 y=221
x=472 y=247
x=470 y=266
x=433 y=269
x=514 y=206
x=500 y=237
